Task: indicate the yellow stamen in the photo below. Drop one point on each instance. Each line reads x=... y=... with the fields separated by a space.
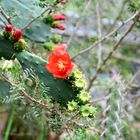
x=61 y=65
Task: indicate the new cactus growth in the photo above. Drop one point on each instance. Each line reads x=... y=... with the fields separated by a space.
x=20 y=45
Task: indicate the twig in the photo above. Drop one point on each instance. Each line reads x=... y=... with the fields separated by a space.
x=128 y=59
x=118 y=16
x=5 y=15
x=79 y=22
x=34 y=19
x=99 y=32
x=98 y=70
x=106 y=36
x=27 y=96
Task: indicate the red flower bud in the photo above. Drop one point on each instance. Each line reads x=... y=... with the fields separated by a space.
x=59 y=17
x=8 y=28
x=59 y=26
x=59 y=49
x=17 y=34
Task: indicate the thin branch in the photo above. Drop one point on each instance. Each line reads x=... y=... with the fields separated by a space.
x=27 y=96
x=128 y=59
x=99 y=25
x=98 y=70
x=118 y=16
x=79 y=22
x=5 y=15
x=34 y=19
x=106 y=36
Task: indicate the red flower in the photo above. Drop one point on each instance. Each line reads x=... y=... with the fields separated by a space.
x=59 y=26
x=59 y=65
x=59 y=17
x=17 y=34
x=59 y=49
x=8 y=28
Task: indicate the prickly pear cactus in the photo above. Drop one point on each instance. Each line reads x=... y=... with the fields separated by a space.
x=38 y=31
x=59 y=89
x=24 y=12
x=4 y=47
x=5 y=88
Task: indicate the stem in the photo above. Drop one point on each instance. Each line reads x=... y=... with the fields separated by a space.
x=43 y=127
x=27 y=96
x=5 y=15
x=10 y=122
x=34 y=19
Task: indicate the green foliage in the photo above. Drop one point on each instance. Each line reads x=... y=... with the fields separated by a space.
x=134 y=5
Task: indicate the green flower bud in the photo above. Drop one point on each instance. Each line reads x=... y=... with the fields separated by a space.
x=79 y=83
x=72 y=105
x=78 y=74
x=84 y=96
x=48 y=46
x=20 y=45
x=48 y=19
x=85 y=111
x=29 y=82
x=88 y=111
x=56 y=38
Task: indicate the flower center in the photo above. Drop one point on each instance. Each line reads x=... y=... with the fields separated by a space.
x=61 y=64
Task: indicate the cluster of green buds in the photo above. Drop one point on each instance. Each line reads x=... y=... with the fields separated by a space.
x=83 y=97
x=15 y=36
x=56 y=39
